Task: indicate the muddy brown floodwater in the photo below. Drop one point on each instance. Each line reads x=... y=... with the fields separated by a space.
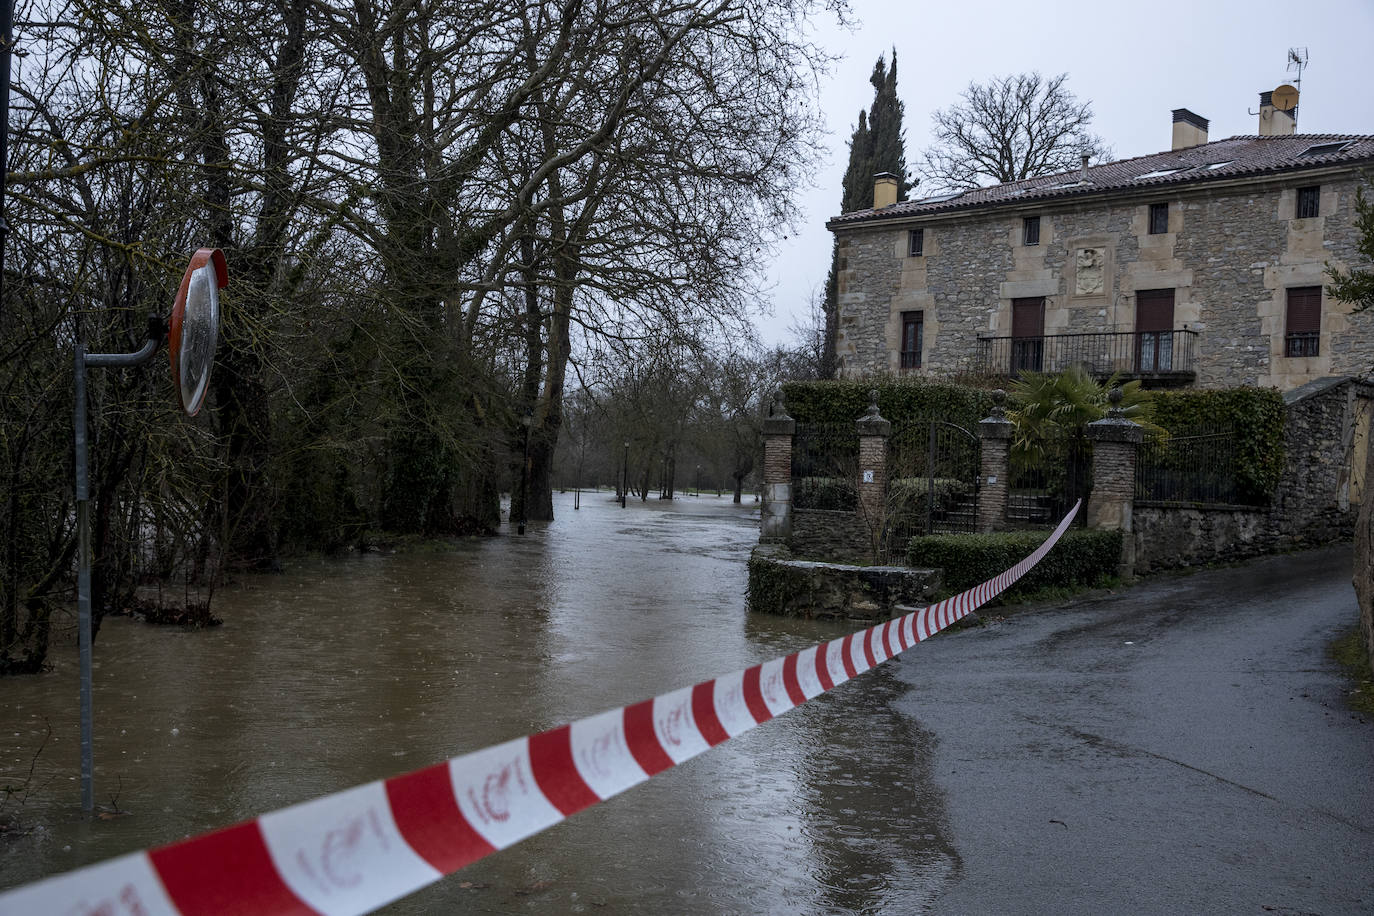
x=339 y=672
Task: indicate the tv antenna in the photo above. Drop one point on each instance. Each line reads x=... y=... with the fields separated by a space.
x=1297 y=60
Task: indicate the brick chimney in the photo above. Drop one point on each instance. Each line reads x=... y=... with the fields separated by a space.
x=1190 y=129
x=1272 y=121
x=884 y=190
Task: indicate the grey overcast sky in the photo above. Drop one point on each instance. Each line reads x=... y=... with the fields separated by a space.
x=1135 y=61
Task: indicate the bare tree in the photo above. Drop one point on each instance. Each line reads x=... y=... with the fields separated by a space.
x=1010 y=128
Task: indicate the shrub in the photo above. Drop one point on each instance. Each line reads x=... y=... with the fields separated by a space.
x=1255 y=414
x=903 y=401
x=1081 y=558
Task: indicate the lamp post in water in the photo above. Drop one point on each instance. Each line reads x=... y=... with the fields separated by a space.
x=625 y=475
x=194 y=328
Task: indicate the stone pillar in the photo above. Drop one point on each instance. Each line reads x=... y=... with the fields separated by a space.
x=995 y=432
x=873 y=434
x=776 y=513
x=1115 y=440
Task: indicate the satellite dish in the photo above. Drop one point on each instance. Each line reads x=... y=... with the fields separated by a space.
x=194 y=328
x=1286 y=97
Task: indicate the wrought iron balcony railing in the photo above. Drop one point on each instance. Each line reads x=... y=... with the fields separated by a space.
x=1134 y=354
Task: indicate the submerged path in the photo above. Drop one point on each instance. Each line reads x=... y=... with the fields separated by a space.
x=1180 y=747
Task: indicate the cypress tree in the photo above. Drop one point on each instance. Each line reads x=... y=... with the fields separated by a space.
x=876 y=146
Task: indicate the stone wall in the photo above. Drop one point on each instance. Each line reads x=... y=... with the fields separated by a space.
x=779 y=584
x=1312 y=504
x=1229 y=254
x=1170 y=537
x=823 y=534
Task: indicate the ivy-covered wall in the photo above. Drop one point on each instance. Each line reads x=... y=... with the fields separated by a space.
x=1257 y=414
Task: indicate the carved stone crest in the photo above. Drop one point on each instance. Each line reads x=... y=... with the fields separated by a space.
x=1088 y=277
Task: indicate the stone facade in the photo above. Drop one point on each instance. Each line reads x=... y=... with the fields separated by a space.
x=1230 y=253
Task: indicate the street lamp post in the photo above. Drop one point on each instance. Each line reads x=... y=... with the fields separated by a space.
x=625 y=475
x=527 y=421
x=698 y=481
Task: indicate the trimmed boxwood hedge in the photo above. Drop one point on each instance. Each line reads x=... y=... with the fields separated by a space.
x=1257 y=415
x=902 y=401
x=1081 y=558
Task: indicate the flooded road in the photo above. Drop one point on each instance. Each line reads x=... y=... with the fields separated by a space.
x=343 y=671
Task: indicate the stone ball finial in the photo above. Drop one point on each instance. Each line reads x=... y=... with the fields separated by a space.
x=1114 y=398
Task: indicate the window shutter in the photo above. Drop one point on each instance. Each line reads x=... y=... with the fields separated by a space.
x=1154 y=310
x=1304 y=309
x=1028 y=317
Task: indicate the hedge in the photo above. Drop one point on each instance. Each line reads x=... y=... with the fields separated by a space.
x=1256 y=414
x=903 y=401
x=1081 y=558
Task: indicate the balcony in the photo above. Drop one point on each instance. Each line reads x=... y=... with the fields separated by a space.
x=1163 y=357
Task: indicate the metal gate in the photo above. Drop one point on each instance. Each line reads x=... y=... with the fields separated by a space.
x=933 y=474
x=825 y=459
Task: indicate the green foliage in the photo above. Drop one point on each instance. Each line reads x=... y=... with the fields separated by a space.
x=1256 y=415
x=1081 y=558
x=768 y=586
x=877 y=144
x=835 y=494
x=903 y=401
x=907 y=496
x=1357 y=286
x=1048 y=407
x=1349 y=652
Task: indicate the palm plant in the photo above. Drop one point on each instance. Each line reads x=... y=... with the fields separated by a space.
x=1049 y=408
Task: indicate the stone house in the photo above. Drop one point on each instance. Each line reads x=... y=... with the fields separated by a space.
x=1201 y=266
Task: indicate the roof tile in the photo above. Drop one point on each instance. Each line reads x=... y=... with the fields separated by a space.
x=1215 y=161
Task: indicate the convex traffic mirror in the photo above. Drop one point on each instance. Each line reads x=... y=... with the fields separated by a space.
x=194 y=327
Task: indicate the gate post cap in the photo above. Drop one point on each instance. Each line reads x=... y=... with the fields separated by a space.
x=778 y=423
x=872 y=422
x=1115 y=427
x=996 y=425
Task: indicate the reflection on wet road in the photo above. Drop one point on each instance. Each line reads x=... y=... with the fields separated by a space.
x=343 y=671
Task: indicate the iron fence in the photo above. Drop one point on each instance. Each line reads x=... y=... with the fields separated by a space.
x=1048 y=475
x=825 y=461
x=1152 y=354
x=1195 y=466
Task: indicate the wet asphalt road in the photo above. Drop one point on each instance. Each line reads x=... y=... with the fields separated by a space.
x=1180 y=747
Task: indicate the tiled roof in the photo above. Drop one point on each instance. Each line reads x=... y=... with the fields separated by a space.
x=1221 y=159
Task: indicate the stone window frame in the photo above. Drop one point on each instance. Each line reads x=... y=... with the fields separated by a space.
x=1308 y=202
x=916 y=242
x=911 y=359
x=1158 y=219
x=1030 y=230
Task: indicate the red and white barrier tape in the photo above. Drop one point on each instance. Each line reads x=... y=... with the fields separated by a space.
x=359 y=849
